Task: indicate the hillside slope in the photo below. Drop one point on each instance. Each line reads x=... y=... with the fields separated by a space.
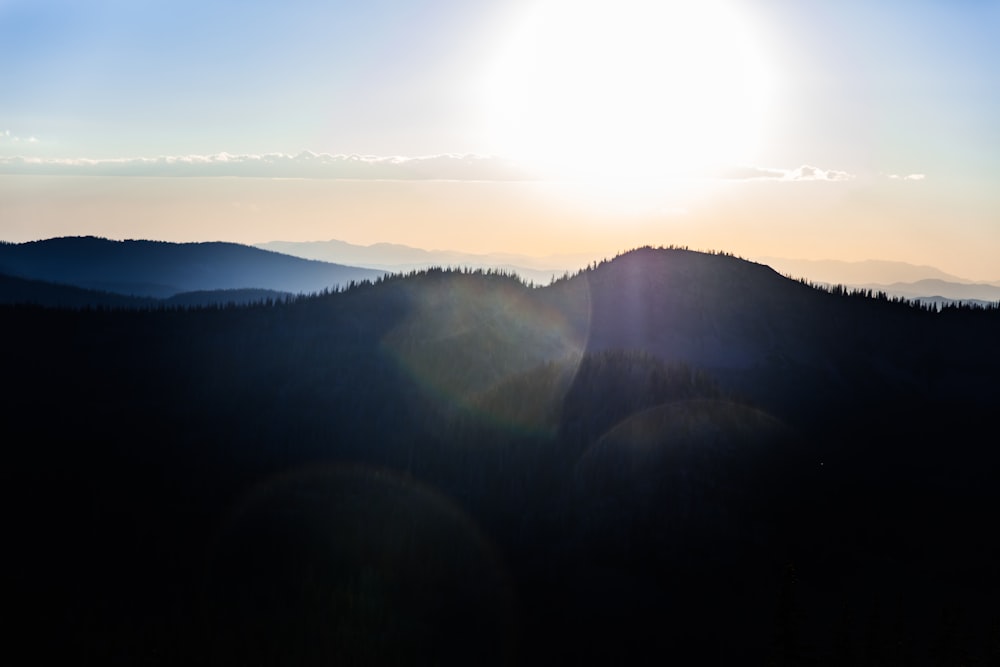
x=160 y=269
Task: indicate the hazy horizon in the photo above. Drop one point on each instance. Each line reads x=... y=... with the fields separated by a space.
x=761 y=128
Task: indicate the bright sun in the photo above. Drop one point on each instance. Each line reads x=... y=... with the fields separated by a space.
x=618 y=91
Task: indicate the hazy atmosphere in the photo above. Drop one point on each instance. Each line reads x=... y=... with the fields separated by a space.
x=850 y=130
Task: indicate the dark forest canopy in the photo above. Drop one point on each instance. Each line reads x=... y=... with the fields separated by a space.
x=670 y=453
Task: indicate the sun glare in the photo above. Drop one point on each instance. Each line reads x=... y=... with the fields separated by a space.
x=628 y=91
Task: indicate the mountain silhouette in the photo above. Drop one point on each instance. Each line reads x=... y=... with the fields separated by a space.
x=857 y=273
x=670 y=453
x=930 y=288
x=765 y=333
x=161 y=269
x=41 y=293
x=21 y=291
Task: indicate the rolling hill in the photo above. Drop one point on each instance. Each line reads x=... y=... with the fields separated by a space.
x=20 y=291
x=41 y=293
x=159 y=269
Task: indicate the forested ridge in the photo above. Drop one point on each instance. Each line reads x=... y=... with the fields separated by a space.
x=157 y=269
x=670 y=454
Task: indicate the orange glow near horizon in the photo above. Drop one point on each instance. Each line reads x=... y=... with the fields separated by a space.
x=818 y=220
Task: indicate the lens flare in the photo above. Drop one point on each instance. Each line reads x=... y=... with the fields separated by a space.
x=469 y=337
x=351 y=565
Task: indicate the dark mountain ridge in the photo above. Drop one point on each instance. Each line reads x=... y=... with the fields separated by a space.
x=22 y=291
x=160 y=269
x=764 y=333
x=931 y=288
x=671 y=453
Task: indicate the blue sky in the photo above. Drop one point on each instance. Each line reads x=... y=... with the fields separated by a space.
x=113 y=79
x=901 y=98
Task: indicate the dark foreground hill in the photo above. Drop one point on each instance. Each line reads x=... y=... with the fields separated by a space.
x=15 y=291
x=160 y=269
x=671 y=458
x=21 y=291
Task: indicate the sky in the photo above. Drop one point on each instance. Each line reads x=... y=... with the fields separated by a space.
x=849 y=130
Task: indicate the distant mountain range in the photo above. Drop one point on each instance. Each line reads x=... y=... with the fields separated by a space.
x=933 y=289
x=856 y=273
x=398 y=258
x=160 y=270
x=910 y=281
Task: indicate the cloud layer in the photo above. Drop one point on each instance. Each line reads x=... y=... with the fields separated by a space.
x=447 y=167
x=278 y=165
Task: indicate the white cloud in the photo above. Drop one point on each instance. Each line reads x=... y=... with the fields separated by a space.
x=809 y=173
x=7 y=137
x=908 y=177
x=803 y=173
